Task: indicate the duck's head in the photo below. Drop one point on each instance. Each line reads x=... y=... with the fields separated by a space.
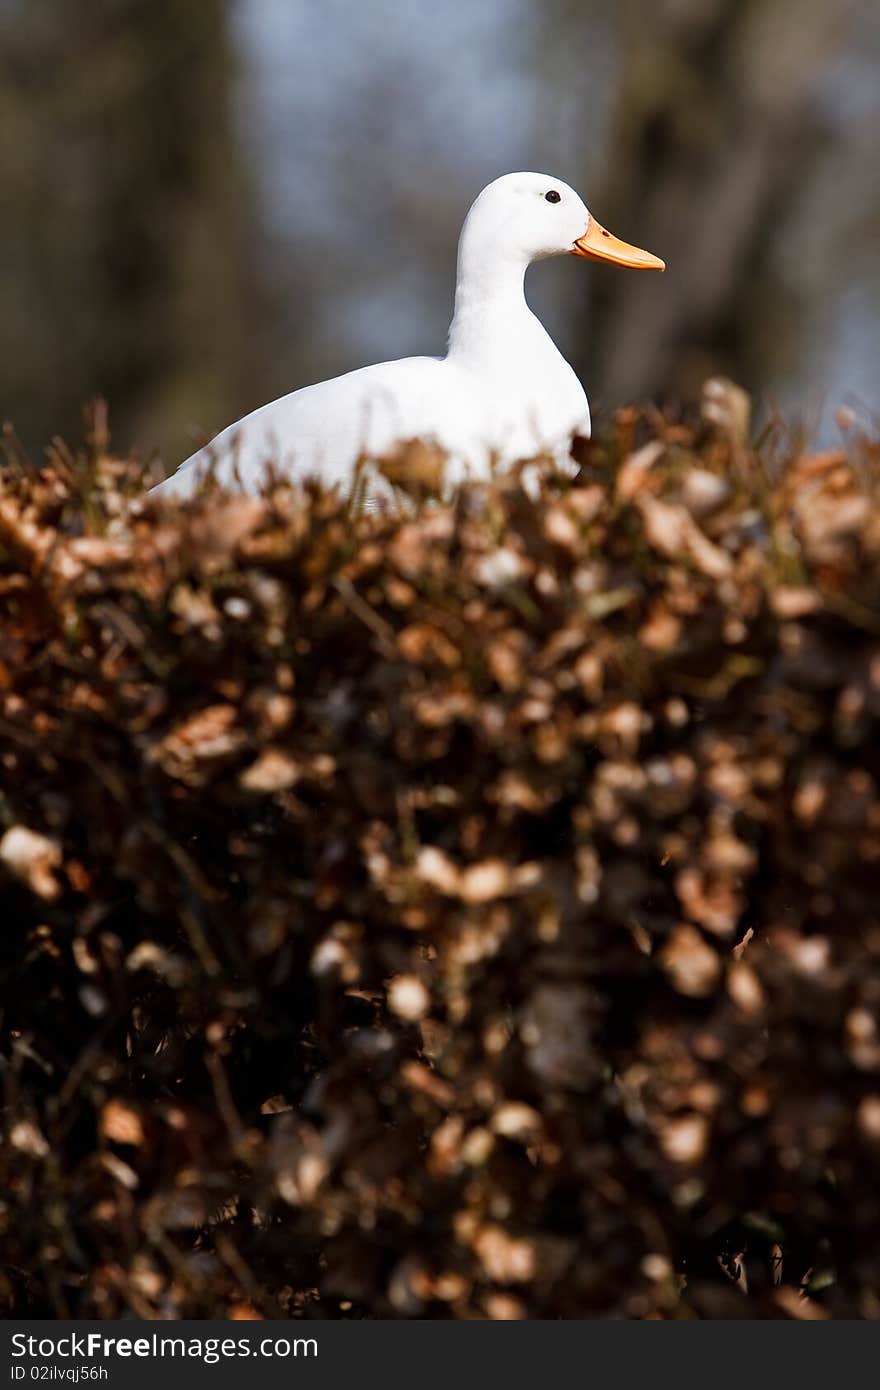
x=528 y=217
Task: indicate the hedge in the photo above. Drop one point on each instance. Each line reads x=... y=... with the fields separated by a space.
x=466 y=910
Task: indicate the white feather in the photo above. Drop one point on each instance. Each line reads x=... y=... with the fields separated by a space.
x=502 y=392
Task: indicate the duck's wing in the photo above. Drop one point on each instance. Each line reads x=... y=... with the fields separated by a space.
x=322 y=430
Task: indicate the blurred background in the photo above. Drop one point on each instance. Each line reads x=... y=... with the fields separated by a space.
x=207 y=204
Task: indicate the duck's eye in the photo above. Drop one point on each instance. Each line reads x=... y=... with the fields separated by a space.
x=553 y=196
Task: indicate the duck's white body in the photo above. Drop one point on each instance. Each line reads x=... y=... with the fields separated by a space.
x=502 y=392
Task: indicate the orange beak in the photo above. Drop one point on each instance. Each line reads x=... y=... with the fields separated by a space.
x=598 y=245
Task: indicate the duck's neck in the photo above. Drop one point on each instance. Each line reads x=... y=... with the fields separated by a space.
x=490 y=301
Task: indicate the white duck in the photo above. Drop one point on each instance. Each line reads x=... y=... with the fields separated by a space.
x=502 y=392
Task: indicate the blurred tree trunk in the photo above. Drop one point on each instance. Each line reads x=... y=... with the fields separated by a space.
x=131 y=260
x=714 y=133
